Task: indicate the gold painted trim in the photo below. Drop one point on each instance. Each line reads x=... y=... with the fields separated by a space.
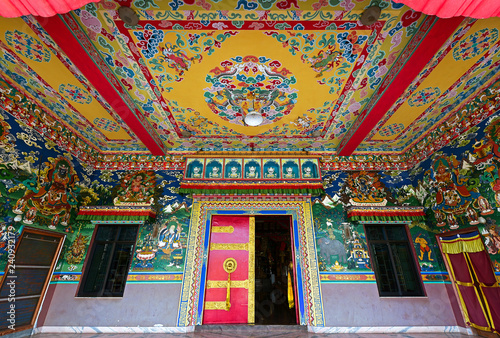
x=251 y=271
x=222 y=284
x=215 y=305
x=223 y=229
x=464 y=283
x=229 y=246
x=230 y=265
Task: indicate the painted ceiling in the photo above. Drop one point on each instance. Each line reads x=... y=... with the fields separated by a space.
x=183 y=79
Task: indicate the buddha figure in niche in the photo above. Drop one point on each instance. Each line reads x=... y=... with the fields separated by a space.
x=307 y=172
x=234 y=173
x=196 y=172
x=252 y=172
x=270 y=173
x=215 y=173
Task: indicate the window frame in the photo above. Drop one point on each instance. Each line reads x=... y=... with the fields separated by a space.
x=414 y=264
x=90 y=254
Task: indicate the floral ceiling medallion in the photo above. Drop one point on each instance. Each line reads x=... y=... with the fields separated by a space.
x=251 y=85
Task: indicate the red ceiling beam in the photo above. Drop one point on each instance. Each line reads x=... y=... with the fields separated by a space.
x=441 y=30
x=64 y=38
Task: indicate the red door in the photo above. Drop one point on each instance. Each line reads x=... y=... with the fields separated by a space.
x=229 y=297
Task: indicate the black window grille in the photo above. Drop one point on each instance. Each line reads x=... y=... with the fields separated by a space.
x=107 y=266
x=393 y=261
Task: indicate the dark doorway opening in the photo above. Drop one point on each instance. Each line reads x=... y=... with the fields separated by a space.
x=273 y=269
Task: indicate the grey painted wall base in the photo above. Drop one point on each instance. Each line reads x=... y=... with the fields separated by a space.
x=114 y=329
x=394 y=329
x=359 y=305
x=155 y=307
x=18 y=334
x=142 y=305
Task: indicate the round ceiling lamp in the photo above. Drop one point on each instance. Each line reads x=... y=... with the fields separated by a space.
x=128 y=15
x=370 y=15
x=253 y=119
x=316 y=133
x=186 y=133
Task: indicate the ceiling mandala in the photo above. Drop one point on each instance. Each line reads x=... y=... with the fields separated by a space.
x=249 y=83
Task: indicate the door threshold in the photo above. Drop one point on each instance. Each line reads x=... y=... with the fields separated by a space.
x=249 y=327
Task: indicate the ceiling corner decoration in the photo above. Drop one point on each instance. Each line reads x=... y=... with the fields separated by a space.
x=185 y=77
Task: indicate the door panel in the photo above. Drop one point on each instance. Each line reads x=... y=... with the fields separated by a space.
x=231 y=238
x=472 y=273
x=27 y=276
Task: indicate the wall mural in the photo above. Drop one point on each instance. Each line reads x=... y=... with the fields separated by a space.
x=42 y=187
x=342 y=245
x=161 y=243
x=460 y=185
x=52 y=196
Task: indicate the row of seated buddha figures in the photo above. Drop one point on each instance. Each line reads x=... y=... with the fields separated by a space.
x=252 y=169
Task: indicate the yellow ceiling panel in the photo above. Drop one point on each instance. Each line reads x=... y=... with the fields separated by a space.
x=17 y=36
x=454 y=65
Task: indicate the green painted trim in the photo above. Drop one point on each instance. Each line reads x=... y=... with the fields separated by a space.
x=111 y=218
x=386 y=218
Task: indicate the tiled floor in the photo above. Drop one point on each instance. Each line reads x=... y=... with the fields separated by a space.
x=265 y=333
x=255 y=334
x=243 y=331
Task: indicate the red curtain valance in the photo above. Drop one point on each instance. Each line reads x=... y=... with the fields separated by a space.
x=280 y=188
x=45 y=8
x=115 y=213
x=479 y=9
x=375 y=214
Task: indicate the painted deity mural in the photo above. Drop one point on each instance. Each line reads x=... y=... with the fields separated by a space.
x=460 y=186
x=161 y=245
x=161 y=241
x=40 y=185
x=43 y=187
x=341 y=244
x=52 y=196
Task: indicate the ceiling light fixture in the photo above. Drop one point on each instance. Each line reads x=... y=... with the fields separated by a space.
x=186 y=133
x=316 y=133
x=128 y=15
x=370 y=15
x=253 y=118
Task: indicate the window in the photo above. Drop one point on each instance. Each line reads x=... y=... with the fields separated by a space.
x=109 y=260
x=393 y=261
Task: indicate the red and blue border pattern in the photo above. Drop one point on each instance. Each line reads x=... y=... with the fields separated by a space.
x=31 y=22
x=437 y=103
